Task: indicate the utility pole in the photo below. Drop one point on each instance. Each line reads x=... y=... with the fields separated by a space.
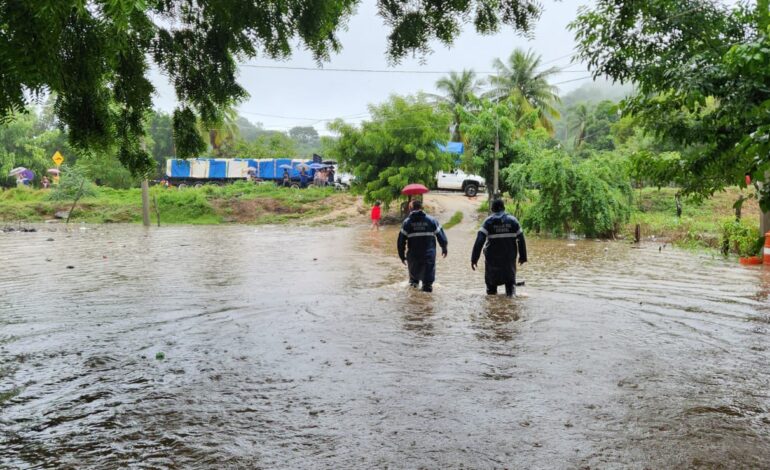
x=145 y=196
x=145 y=203
x=496 y=188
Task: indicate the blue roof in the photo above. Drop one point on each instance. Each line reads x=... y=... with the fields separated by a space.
x=452 y=147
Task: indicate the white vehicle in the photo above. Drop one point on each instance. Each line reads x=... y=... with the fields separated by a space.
x=458 y=180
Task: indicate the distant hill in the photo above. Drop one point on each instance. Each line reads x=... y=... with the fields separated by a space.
x=595 y=92
x=590 y=94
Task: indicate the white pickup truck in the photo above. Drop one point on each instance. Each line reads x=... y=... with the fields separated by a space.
x=458 y=180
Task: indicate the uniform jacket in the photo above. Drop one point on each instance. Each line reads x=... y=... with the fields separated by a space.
x=502 y=241
x=418 y=236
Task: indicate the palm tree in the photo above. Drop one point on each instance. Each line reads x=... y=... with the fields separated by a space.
x=223 y=132
x=520 y=75
x=457 y=89
x=579 y=121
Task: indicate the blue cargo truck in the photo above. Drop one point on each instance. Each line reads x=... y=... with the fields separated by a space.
x=199 y=171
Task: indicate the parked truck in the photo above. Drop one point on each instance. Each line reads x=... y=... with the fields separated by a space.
x=199 y=171
x=458 y=180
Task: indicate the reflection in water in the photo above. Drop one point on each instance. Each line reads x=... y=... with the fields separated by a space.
x=240 y=347
x=418 y=311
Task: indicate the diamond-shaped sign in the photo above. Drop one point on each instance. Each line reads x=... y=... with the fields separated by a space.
x=57 y=158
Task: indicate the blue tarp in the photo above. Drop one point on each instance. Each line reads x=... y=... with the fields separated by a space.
x=217 y=169
x=452 y=147
x=180 y=169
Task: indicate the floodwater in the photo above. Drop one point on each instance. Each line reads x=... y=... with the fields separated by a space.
x=304 y=348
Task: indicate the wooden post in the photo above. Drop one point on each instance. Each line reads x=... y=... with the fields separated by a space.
x=145 y=203
x=764 y=217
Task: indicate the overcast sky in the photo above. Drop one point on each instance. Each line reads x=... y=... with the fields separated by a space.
x=281 y=99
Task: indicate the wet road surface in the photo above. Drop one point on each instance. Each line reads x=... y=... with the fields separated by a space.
x=304 y=348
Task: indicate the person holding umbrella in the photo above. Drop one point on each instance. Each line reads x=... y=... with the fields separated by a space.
x=417 y=246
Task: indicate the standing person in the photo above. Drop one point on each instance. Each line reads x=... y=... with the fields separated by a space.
x=286 y=178
x=504 y=243
x=330 y=176
x=376 y=215
x=302 y=178
x=419 y=233
x=45 y=183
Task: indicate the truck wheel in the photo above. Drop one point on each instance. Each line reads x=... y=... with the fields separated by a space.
x=471 y=190
x=198 y=185
x=182 y=185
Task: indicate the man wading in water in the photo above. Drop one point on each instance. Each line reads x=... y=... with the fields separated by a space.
x=504 y=241
x=420 y=232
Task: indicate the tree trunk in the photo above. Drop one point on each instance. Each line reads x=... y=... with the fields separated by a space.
x=145 y=203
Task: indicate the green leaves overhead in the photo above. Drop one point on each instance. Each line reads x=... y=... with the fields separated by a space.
x=701 y=70
x=93 y=54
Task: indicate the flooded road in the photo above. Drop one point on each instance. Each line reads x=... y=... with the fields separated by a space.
x=243 y=347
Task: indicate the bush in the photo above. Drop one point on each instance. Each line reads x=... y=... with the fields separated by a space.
x=73 y=183
x=741 y=238
x=592 y=197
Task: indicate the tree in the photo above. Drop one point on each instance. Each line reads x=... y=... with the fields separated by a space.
x=221 y=133
x=701 y=71
x=458 y=91
x=592 y=197
x=94 y=55
x=397 y=147
x=490 y=122
x=520 y=77
x=580 y=117
x=304 y=134
x=159 y=130
x=269 y=145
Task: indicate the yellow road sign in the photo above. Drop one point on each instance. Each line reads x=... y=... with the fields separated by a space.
x=57 y=158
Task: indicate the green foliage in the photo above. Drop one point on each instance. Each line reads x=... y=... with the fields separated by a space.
x=188 y=140
x=106 y=170
x=505 y=120
x=23 y=142
x=95 y=55
x=272 y=145
x=73 y=183
x=703 y=88
x=459 y=89
x=592 y=197
x=742 y=238
x=397 y=147
x=456 y=218
x=523 y=77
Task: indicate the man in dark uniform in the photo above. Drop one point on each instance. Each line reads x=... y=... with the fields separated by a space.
x=504 y=243
x=419 y=232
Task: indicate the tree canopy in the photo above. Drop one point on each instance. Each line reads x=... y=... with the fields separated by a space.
x=397 y=147
x=95 y=55
x=701 y=70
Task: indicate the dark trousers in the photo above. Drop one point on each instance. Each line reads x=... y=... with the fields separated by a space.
x=510 y=289
x=422 y=270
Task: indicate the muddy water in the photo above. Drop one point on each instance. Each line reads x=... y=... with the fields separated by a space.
x=304 y=348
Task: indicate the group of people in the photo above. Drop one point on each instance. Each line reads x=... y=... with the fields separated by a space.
x=321 y=177
x=500 y=238
x=22 y=182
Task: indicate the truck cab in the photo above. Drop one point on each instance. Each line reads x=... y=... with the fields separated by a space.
x=458 y=180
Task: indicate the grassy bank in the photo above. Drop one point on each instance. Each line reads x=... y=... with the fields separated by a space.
x=700 y=226
x=237 y=203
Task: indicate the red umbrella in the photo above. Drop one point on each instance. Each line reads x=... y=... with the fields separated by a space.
x=414 y=188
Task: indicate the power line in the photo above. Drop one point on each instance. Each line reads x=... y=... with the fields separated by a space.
x=352 y=70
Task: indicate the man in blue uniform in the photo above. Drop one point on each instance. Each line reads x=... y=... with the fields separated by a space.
x=419 y=233
x=504 y=243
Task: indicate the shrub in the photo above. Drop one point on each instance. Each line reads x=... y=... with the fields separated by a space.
x=741 y=238
x=72 y=183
